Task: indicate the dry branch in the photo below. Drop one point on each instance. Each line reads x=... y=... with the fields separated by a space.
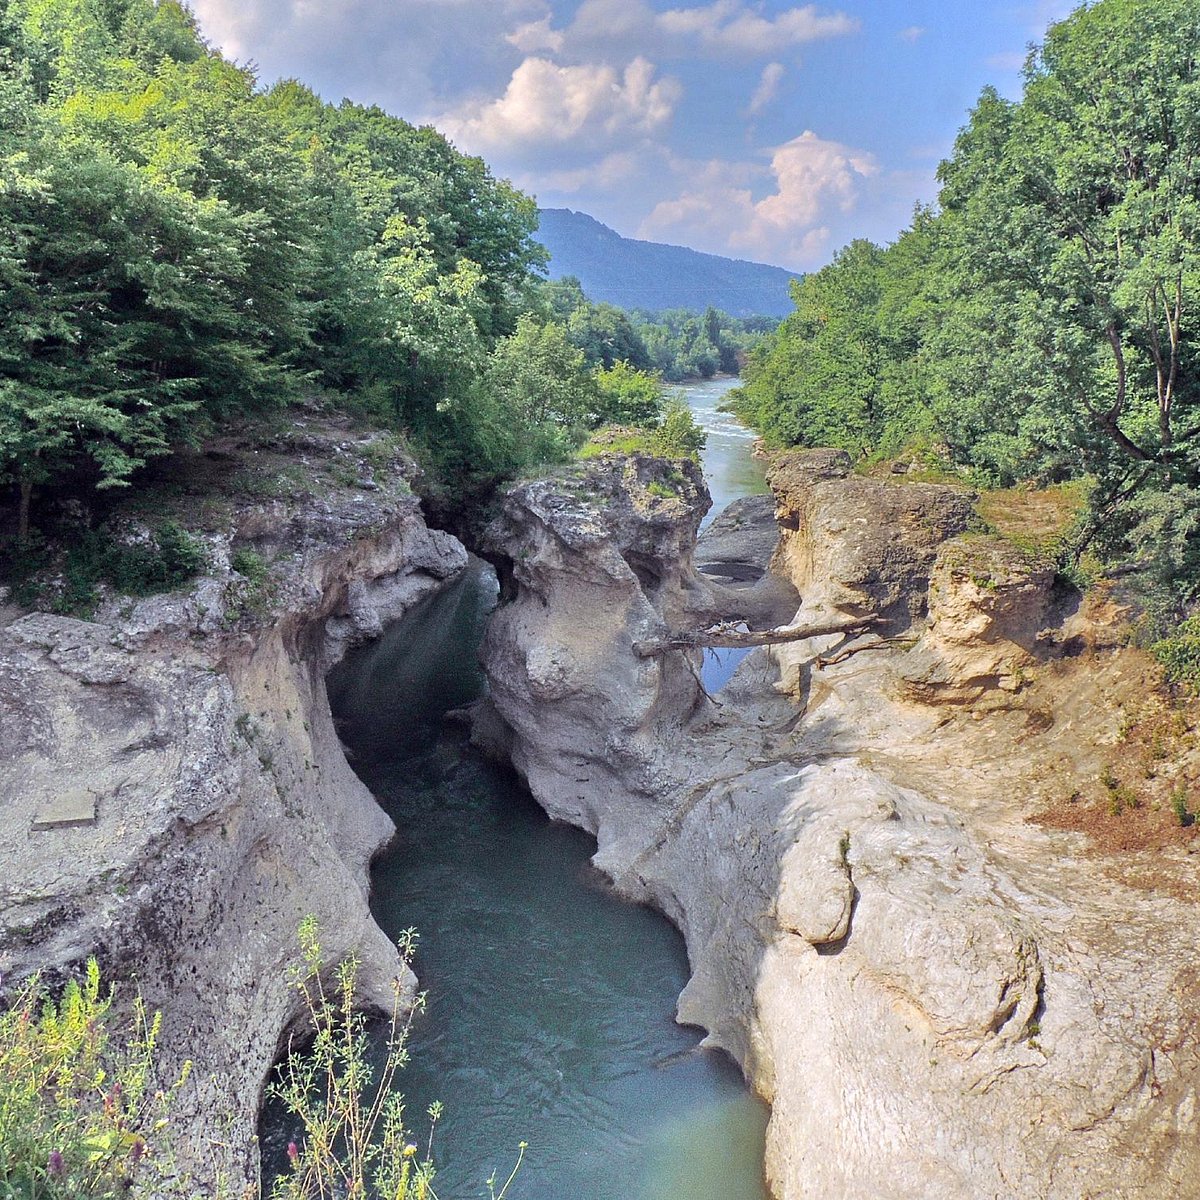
x=726 y=637
x=830 y=660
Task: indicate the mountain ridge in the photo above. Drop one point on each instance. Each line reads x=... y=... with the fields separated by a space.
x=636 y=274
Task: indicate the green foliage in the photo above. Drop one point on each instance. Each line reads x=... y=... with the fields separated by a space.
x=677 y=344
x=1179 y=805
x=628 y=396
x=177 y=248
x=165 y=558
x=678 y=435
x=82 y=1113
x=618 y=439
x=353 y=1139
x=250 y=564
x=1038 y=327
x=683 y=345
x=85 y=1116
x=1180 y=654
x=167 y=562
x=845 y=368
x=543 y=386
x=252 y=596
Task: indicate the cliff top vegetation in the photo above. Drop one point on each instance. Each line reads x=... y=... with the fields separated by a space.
x=1035 y=326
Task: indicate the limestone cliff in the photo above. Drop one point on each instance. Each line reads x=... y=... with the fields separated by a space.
x=174 y=795
x=939 y=997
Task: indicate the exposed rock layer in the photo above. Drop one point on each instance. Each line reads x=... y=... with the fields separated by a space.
x=938 y=998
x=174 y=796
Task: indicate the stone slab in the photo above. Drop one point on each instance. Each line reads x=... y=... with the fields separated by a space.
x=68 y=810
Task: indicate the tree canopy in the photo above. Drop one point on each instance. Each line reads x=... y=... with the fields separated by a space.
x=178 y=247
x=1039 y=323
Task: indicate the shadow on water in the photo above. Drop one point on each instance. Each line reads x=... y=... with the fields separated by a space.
x=550 y=1002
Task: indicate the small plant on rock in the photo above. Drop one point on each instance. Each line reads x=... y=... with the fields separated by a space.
x=1179 y=805
x=1179 y=654
x=82 y=1113
x=353 y=1140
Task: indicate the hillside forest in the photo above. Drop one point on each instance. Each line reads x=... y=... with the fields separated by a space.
x=1036 y=325
x=181 y=249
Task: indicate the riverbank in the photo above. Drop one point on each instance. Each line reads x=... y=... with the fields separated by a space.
x=926 y=984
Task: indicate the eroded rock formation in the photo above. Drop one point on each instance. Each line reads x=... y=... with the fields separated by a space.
x=175 y=798
x=938 y=997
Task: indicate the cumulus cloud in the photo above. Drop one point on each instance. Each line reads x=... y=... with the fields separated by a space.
x=729 y=25
x=721 y=28
x=768 y=88
x=535 y=36
x=813 y=179
x=412 y=56
x=913 y=33
x=545 y=103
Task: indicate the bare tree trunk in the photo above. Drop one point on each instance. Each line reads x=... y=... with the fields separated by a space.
x=720 y=637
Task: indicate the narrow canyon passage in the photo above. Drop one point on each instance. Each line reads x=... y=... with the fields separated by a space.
x=550 y=1001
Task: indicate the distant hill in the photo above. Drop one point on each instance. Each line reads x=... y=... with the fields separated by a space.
x=650 y=275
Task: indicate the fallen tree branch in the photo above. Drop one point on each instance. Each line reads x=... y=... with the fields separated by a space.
x=824 y=661
x=726 y=637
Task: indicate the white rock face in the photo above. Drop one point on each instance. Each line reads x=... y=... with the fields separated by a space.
x=938 y=998
x=222 y=810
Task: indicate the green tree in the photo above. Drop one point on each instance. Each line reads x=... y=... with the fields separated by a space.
x=543 y=386
x=818 y=381
x=628 y=396
x=678 y=435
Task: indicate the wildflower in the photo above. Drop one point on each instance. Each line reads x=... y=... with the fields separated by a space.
x=136 y=1151
x=56 y=1168
x=293 y=1153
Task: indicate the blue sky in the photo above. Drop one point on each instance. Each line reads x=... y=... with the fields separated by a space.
x=755 y=128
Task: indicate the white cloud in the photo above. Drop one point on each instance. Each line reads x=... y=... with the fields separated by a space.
x=729 y=25
x=814 y=179
x=913 y=33
x=612 y=20
x=536 y=36
x=545 y=103
x=612 y=171
x=413 y=56
x=768 y=88
x=720 y=28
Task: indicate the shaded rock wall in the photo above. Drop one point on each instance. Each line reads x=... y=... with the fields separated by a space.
x=174 y=798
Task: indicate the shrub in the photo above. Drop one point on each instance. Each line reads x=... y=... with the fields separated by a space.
x=160 y=565
x=1179 y=805
x=353 y=1138
x=628 y=396
x=83 y=1116
x=678 y=436
x=167 y=559
x=1179 y=654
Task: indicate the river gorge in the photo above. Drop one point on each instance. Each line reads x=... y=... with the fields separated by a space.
x=885 y=923
x=550 y=1001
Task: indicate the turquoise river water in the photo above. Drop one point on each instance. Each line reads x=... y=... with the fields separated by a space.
x=550 y=1011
